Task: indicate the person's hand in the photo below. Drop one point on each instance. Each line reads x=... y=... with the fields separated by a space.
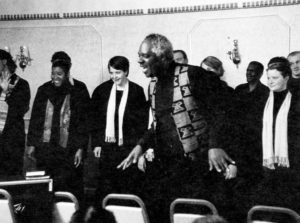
x=30 y=153
x=97 y=151
x=218 y=159
x=78 y=158
x=4 y=81
x=132 y=158
x=230 y=172
x=142 y=163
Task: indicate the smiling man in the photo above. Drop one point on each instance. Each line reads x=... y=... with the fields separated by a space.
x=249 y=104
x=294 y=82
x=253 y=74
x=185 y=102
x=294 y=59
x=246 y=118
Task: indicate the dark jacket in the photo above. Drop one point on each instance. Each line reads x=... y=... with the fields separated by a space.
x=294 y=86
x=213 y=101
x=249 y=105
x=294 y=123
x=18 y=105
x=12 y=139
x=280 y=187
x=135 y=116
x=294 y=134
x=245 y=128
x=79 y=105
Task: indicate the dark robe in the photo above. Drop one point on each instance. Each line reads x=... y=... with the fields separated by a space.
x=246 y=120
x=12 y=139
x=281 y=186
x=178 y=174
x=135 y=122
x=244 y=147
x=294 y=86
x=56 y=160
x=258 y=185
x=294 y=121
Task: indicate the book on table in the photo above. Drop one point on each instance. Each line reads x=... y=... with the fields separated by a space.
x=35 y=173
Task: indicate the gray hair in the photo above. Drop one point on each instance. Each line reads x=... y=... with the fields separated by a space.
x=161 y=46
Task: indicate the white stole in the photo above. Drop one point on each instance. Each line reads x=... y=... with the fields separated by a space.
x=110 y=114
x=279 y=152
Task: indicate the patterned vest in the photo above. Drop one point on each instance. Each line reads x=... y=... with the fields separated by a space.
x=191 y=126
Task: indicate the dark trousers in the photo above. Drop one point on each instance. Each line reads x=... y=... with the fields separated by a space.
x=279 y=187
x=58 y=162
x=113 y=180
x=230 y=197
x=11 y=156
x=169 y=178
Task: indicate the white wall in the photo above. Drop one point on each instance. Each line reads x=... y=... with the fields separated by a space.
x=262 y=32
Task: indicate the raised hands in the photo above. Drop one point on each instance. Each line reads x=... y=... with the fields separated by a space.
x=4 y=81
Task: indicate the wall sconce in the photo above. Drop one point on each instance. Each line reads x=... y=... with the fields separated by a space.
x=24 y=57
x=234 y=55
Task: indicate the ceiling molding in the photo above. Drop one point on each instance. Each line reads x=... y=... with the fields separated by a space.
x=151 y=11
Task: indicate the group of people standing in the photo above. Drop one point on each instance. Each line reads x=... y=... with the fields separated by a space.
x=62 y=119
x=249 y=135
x=210 y=142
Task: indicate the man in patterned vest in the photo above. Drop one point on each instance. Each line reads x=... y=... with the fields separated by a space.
x=189 y=108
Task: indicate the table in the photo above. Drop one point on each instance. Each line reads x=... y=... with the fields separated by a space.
x=27 y=182
x=35 y=195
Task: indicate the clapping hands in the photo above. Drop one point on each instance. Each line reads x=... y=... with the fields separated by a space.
x=5 y=81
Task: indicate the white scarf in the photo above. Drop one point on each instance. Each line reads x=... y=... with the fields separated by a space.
x=110 y=114
x=278 y=155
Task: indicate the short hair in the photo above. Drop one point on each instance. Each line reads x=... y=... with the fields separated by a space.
x=64 y=65
x=61 y=55
x=214 y=63
x=119 y=63
x=258 y=66
x=4 y=55
x=182 y=52
x=294 y=53
x=161 y=46
x=280 y=64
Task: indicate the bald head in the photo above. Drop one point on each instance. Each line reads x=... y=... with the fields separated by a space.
x=294 y=60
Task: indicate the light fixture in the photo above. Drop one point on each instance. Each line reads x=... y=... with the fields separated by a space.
x=24 y=58
x=234 y=54
x=7 y=49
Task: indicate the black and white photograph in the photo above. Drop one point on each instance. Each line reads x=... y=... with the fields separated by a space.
x=149 y=111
